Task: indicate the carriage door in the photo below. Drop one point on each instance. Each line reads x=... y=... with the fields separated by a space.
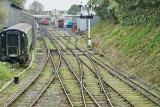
x=13 y=42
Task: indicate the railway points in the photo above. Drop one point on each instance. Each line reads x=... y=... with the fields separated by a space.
x=57 y=65
x=72 y=74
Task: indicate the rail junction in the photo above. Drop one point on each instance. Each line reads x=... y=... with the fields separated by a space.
x=70 y=74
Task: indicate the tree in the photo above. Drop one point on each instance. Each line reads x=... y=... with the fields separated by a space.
x=74 y=9
x=17 y=2
x=36 y=7
x=3 y=16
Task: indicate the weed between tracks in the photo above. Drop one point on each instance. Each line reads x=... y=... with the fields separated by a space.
x=63 y=40
x=49 y=44
x=92 y=84
x=133 y=93
x=71 y=84
x=130 y=94
x=129 y=74
x=25 y=78
x=74 y=63
x=54 y=96
x=28 y=97
x=81 y=43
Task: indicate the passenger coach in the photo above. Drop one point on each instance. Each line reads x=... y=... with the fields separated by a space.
x=15 y=42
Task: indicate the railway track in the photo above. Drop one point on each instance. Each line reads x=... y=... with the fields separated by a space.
x=86 y=99
x=92 y=81
x=32 y=92
x=56 y=67
x=13 y=89
x=26 y=86
x=133 y=89
x=71 y=76
x=93 y=85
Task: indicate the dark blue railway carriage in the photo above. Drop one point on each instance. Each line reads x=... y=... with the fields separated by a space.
x=15 y=42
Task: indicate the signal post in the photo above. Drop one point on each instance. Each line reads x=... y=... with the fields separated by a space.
x=88 y=16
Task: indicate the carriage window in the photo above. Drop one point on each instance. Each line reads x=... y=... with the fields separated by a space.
x=13 y=39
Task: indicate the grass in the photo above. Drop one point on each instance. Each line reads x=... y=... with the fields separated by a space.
x=49 y=44
x=137 y=47
x=6 y=72
x=13 y=87
x=1 y=85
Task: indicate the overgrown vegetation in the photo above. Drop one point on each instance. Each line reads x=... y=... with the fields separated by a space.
x=129 y=12
x=129 y=34
x=6 y=72
x=3 y=17
x=106 y=10
x=135 y=48
x=18 y=2
x=74 y=9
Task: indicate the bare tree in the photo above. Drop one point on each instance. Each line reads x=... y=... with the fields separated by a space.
x=36 y=7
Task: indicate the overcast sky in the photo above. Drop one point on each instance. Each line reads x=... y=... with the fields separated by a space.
x=57 y=4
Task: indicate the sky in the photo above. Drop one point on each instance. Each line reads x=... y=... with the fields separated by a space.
x=57 y=4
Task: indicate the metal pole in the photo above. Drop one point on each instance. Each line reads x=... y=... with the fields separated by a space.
x=81 y=7
x=89 y=34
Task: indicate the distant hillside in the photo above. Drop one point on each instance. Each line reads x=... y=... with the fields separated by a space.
x=134 y=48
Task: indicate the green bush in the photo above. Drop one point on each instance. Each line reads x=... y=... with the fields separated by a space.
x=130 y=12
x=106 y=10
x=3 y=17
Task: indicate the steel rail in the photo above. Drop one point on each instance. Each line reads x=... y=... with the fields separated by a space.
x=124 y=76
x=22 y=91
x=65 y=90
x=34 y=102
x=101 y=85
x=78 y=78
x=157 y=102
x=107 y=83
x=62 y=48
x=129 y=82
x=80 y=68
x=56 y=71
x=80 y=81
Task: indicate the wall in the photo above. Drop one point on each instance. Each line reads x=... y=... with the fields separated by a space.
x=18 y=16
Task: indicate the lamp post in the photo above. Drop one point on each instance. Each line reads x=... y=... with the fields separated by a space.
x=88 y=16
